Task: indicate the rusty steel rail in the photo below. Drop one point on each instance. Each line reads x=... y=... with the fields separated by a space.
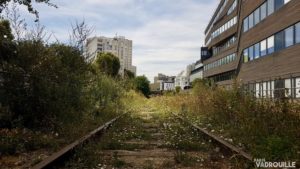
x=218 y=139
x=61 y=155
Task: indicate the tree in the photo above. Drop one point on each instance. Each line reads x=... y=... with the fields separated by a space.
x=27 y=3
x=128 y=74
x=108 y=64
x=7 y=46
x=142 y=84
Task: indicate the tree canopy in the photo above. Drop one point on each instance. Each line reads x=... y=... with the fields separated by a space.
x=108 y=64
x=142 y=84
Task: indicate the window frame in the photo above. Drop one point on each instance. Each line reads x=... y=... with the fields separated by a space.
x=268 y=47
x=292 y=29
x=255 y=13
x=270 y=2
x=246 y=24
x=263 y=6
x=251 y=17
x=297 y=33
x=263 y=52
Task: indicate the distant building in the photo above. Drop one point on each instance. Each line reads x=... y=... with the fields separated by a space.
x=119 y=46
x=182 y=80
x=165 y=83
x=197 y=71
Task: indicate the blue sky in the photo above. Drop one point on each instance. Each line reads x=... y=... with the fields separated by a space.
x=167 y=34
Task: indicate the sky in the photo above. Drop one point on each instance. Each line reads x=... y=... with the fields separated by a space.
x=166 y=34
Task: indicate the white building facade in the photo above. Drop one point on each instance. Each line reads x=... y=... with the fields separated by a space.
x=119 y=46
x=182 y=80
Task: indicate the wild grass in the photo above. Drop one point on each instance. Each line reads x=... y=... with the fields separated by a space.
x=265 y=128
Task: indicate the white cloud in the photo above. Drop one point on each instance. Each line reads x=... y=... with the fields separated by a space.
x=169 y=32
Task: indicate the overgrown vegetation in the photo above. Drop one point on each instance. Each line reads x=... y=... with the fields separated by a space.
x=265 y=128
x=50 y=95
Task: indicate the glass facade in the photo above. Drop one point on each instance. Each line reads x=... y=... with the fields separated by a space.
x=224 y=27
x=220 y=62
x=266 y=9
x=281 y=40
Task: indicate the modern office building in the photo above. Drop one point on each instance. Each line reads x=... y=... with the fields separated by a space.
x=119 y=46
x=255 y=42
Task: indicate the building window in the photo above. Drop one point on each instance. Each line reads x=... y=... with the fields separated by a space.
x=278 y=4
x=246 y=24
x=270 y=44
x=263 y=48
x=256 y=16
x=279 y=41
x=297 y=32
x=251 y=21
x=263 y=11
x=246 y=55
x=289 y=36
x=251 y=53
x=256 y=51
x=270 y=7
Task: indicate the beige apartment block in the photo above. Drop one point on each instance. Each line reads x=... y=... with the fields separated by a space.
x=119 y=46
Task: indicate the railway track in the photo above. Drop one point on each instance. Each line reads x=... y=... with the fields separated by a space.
x=146 y=141
x=58 y=158
x=218 y=140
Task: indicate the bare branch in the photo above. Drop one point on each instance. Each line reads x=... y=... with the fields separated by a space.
x=38 y=33
x=17 y=23
x=79 y=34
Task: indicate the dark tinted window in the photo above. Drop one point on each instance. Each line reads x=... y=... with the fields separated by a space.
x=279 y=41
x=278 y=4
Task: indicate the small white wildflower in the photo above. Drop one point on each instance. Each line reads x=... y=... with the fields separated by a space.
x=5 y=36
